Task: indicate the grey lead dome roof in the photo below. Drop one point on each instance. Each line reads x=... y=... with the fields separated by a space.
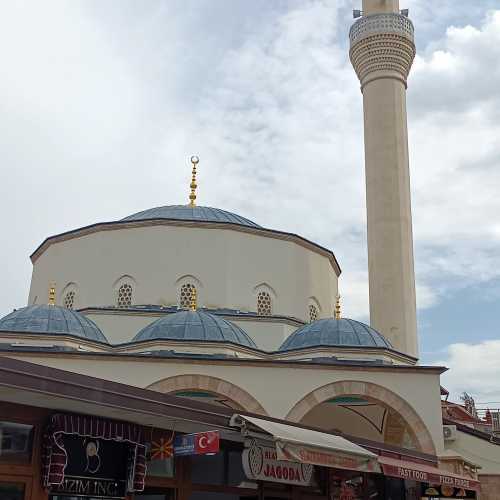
x=334 y=333
x=51 y=320
x=195 y=326
x=186 y=212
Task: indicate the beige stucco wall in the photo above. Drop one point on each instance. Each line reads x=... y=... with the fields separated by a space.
x=276 y=387
x=120 y=327
x=478 y=451
x=228 y=264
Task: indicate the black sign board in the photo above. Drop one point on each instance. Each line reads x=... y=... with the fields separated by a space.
x=446 y=492
x=96 y=468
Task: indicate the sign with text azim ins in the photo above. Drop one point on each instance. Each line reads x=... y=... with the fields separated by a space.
x=95 y=468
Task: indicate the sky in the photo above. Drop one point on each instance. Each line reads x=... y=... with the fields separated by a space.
x=102 y=104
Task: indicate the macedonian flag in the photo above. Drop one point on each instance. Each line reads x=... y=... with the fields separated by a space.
x=162 y=449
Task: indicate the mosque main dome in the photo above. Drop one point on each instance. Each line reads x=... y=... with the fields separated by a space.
x=332 y=332
x=191 y=213
x=49 y=320
x=195 y=326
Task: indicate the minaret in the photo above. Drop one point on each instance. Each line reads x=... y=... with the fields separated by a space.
x=382 y=52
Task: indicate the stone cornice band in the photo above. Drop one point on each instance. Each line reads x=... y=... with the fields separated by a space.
x=382 y=46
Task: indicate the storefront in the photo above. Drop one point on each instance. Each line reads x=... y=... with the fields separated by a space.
x=60 y=439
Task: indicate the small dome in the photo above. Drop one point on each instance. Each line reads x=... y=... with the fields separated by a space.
x=334 y=333
x=186 y=212
x=195 y=326
x=45 y=319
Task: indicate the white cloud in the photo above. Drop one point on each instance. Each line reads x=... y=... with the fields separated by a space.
x=473 y=368
x=103 y=104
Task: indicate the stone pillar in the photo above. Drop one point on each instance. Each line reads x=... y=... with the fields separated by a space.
x=382 y=51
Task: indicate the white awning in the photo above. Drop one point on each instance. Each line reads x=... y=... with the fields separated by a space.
x=297 y=444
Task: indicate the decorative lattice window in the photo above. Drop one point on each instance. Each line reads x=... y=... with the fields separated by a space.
x=124 y=295
x=186 y=297
x=69 y=299
x=264 y=304
x=313 y=313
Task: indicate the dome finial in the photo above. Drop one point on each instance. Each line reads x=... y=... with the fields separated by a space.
x=193 y=305
x=52 y=294
x=192 y=197
x=337 y=308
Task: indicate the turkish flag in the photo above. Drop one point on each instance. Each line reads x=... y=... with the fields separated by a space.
x=206 y=442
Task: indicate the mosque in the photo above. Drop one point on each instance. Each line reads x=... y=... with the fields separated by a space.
x=207 y=305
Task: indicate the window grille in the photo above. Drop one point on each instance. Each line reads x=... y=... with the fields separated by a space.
x=124 y=296
x=69 y=299
x=313 y=313
x=186 y=296
x=264 y=304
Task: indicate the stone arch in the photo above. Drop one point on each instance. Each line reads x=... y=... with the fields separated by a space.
x=265 y=287
x=399 y=408
x=210 y=384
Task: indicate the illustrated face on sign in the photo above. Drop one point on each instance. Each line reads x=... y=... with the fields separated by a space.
x=91 y=449
x=93 y=459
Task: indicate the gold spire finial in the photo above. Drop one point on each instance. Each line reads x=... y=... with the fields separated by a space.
x=52 y=294
x=192 y=197
x=337 y=308
x=193 y=299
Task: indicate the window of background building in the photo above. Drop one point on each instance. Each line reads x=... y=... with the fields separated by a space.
x=264 y=304
x=124 y=299
x=186 y=295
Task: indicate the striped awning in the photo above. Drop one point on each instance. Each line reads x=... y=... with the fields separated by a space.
x=55 y=457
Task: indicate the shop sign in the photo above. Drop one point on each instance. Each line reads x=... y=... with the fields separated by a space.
x=444 y=491
x=337 y=460
x=423 y=476
x=201 y=443
x=95 y=468
x=261 y=463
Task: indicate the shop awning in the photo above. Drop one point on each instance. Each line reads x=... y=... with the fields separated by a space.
x=296 y=444
x=425 y=473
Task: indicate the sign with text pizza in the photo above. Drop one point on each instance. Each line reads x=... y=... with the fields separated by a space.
x=261 y=463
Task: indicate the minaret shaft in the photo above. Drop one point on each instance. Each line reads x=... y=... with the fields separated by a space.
x=382 y=51
x=376 y=6
x=390 y=239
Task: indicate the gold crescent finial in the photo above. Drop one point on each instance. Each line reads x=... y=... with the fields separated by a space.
x=337 y=307
x=192 y=197
x=52 y=294
x=193 y=299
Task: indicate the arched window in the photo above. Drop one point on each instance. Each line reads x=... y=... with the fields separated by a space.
x=186 y=295
x=313 y=313
x=69 y=299
x=264 y=304
x=124 y=298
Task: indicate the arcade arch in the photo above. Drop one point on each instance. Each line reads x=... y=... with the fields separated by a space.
x=209 y=389
x=364 y=409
